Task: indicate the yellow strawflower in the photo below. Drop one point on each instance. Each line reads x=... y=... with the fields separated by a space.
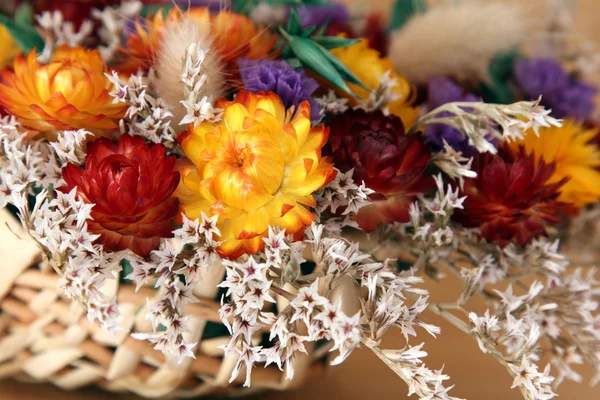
x=576 y=156
x=256 y=168
x=369 y=67
x=8 y=47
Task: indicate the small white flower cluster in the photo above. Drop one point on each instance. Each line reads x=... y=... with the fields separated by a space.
x=422 y=381
x=330 y=104
x=113 y=23
x=562 y=313
x=284 y=255
x=177 y=270
x=520 y=341
x=199 y=108
x=56 y=31
x=147 y=116
x=381 y=97
x=83 y=277
x=573 y=324
x=310 y=315
x=26 y=164
x=486 y=272
x=385 y=307
x=482 y=122
x=343 y=194
x=386 y=303
x=20 y=166
x=535 y=384
x=430 y=218
x=540 y=256
x=452 y=163
x=249 y=284
x=59 y=226
x=70 y=146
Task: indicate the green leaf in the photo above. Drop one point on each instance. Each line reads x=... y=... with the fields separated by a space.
x=322 y=29
x=125 y=271
x=403 y=10
x=24 y=15
x=294 y=62
x=341 y=68
x=495 y=91
x=313 y=58
x=308 y=31
x=496 y=88
x=154 y=8
x=294 y=25
x=502 y=65
x=333 y=42
x=26 y=37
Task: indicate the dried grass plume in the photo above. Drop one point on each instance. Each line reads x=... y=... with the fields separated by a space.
x=458 y=39
x=170 y=60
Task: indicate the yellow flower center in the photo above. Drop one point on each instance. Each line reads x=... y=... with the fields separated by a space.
x=247 y=169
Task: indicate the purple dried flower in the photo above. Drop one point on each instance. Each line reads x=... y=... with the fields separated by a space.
x=442 y=91
x=576 y=101
x=290 y=84
x=319 y=15
x=567 y=97
x=540 y=77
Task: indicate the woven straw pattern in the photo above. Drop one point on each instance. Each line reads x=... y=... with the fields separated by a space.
x=43 y=337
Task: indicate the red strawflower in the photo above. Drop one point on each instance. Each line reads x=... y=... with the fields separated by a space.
x=130 y=184
x=510 y=200
x=390 y=163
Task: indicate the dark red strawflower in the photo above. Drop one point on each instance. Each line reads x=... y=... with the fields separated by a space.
x=131 y=183
x=376 y=35
x=390 y=163
x=510 y=200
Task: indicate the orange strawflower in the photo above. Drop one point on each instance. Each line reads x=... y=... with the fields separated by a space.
x=235 y=36
x=70 y=92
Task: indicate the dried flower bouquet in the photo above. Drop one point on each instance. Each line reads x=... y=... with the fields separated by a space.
x=275 y=142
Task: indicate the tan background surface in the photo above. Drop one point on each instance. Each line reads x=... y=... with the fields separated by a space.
x=363 y=376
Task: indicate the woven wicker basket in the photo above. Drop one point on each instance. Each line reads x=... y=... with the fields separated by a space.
x=45 y=338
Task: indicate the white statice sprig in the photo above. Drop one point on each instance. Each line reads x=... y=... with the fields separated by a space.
x=484 y=123
x=342 y=193
x=30 y=164
x=430 y=222
x=252 y=282
x=452 y=163
x=70 y=146
x=59 y=227
x=193 y=252
x=56 y=32
x=147 y=116
x=330 y=104
x=113 y=21
x=384 y=95
x=535 y=384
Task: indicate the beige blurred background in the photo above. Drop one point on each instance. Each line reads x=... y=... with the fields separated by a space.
x=363 y=376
